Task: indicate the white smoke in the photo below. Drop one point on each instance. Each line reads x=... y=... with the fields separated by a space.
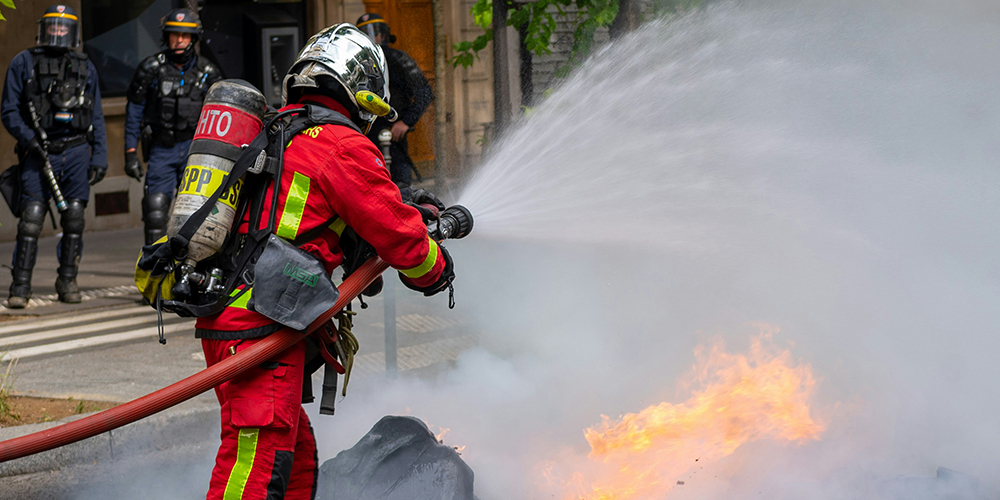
x=826 y=166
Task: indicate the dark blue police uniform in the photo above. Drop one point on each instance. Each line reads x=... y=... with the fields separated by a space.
x=165 y=99
x=63 y=86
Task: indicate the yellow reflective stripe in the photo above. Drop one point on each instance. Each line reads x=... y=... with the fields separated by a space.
x=295 y=205
x=244 y=462
x=61 y=14
x=186 y=25
x=338 y=226
x=425 y=266
x=371 y=21
x=241 y=303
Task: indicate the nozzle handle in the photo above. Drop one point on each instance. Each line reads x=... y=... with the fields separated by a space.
x=455 y=222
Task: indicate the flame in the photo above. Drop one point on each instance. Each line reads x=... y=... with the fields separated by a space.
x=442 y=432
x=735 y=399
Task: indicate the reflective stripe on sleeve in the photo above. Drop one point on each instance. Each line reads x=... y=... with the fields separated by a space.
x=338 y=226
x=425 y=266
x=245 y=454
x=295 y=205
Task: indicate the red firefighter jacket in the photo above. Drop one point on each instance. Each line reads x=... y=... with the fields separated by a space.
x=332 y=172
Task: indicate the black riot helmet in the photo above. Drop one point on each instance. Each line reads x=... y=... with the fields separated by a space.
x=59 y=27
x=374 y=24
x=181 y=21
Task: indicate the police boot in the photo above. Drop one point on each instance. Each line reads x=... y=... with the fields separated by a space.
x=70 y=249
x=28 y=229
x=155 y=212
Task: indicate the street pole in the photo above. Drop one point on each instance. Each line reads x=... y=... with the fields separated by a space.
x=388 y=290
x=389 y=301
x=501 y=69
x=441 y=165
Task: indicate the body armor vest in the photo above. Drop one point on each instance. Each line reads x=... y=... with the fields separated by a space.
x=174 y=113
x=58 y=89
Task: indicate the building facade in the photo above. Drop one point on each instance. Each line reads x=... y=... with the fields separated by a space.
x=257 y=41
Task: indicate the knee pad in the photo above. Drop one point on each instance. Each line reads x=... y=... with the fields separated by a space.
x=32 y=219
x=156 y=209
x=71 y=219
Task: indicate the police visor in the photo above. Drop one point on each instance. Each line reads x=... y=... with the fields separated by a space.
x=374 y=27
x=61 y=30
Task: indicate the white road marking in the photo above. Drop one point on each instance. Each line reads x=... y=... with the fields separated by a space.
x=99 y=340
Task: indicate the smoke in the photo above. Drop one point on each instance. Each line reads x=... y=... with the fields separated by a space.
x=825 y=166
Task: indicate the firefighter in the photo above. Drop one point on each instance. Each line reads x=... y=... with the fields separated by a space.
x=61 y=84
x=411 y=94
x=164 y=102
x=333 y=179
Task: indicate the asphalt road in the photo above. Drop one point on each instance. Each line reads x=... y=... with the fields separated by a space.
x=106 y=349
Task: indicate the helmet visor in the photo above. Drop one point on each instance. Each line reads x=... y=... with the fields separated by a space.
x=58 y=32
x=374 y=27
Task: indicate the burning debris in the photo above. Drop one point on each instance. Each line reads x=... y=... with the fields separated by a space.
x=399 y=459
x=735 y=399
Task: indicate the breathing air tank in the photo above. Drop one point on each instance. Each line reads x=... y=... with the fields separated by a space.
x=230 y=118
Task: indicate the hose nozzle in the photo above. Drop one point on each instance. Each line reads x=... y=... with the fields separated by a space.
x=454 y=222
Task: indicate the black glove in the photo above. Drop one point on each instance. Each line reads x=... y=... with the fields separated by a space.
x=442 y=283
x=35 y=146
x=417 y=197
x=97 y=173
x=132 y=167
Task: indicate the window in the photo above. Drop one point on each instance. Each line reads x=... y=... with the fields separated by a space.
x=118 y=35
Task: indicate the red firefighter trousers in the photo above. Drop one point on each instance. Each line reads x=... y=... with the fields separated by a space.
x=268 y=451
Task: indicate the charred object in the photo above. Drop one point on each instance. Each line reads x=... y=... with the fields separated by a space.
x=399 y=459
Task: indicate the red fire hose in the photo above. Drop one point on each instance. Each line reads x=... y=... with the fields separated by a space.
x=190 y=387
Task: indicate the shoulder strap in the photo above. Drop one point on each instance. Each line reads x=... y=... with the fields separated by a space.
x=302 y=118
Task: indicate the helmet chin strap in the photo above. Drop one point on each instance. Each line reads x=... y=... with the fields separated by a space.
x=184 y=56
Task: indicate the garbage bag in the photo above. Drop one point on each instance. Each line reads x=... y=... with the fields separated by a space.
x=399 y=459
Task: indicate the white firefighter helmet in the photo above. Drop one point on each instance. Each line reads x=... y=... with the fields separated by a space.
x=344 y=54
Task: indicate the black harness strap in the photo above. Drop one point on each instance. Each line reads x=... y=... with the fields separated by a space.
x=241 y=251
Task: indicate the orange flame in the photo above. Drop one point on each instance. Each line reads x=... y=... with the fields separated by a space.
x=735 y=399
x=443 y=431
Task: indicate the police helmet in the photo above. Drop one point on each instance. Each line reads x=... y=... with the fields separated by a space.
x=340 y=61
x=181 y=21
x=59 y=27
x=373 y=24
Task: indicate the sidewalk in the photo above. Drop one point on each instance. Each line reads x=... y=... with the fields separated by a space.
x=429 y=336
x=105 y=277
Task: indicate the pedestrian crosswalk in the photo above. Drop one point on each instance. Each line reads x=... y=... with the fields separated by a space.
x=85 y=295
x=62 y=334
x=31 y=339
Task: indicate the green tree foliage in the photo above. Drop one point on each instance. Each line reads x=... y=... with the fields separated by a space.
x=589 y=15
x=8 y=4
x=540 y=22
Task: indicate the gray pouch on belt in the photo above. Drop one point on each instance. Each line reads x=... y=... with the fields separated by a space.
x=290 y=286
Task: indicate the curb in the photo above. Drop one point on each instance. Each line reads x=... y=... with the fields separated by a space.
x=170 y=428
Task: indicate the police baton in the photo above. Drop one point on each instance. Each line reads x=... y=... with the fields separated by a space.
x=47 y=165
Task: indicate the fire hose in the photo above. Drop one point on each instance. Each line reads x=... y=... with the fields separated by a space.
x=454 y=222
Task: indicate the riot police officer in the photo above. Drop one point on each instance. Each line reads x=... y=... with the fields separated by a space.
x=164 y=102
x=55 y=85
x=410 y=95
